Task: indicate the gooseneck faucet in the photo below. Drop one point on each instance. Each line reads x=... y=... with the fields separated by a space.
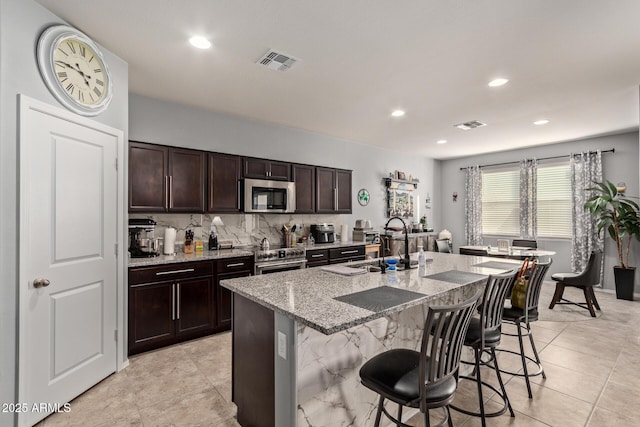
x=407 y=259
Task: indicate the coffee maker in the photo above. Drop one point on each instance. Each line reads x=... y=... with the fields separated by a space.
x=142 y=240
x=323 y=233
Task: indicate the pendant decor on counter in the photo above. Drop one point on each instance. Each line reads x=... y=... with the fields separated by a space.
x=363 y=197
x=400 y=197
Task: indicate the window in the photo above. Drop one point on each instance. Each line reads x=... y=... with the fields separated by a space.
x=554 y=201
x=501 y=201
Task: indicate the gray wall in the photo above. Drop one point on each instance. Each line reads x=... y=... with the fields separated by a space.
x=619 y=166
x=21 y=22
x=169 y=123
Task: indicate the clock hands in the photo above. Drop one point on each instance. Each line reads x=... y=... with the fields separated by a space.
x=77 y=70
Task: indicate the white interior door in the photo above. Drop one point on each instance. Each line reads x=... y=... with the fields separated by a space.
x=68 y=265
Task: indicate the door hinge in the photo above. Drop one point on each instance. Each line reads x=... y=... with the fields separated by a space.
x=115 y=334
x=116 y=163
x=116 y=249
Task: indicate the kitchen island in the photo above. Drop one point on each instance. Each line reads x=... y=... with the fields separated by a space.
x=300 y=337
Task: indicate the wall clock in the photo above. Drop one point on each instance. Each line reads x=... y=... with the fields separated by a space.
x=74 y=70
x=363 y=197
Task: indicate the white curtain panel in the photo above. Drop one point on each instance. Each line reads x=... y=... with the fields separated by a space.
x=528 y=199
x=473 y=206
x=586 y=168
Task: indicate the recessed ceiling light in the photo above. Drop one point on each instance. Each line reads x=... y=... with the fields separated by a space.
x=398 y=113
x=200 y=42
x=541 y=122
x=442 y=141
x=498 y=82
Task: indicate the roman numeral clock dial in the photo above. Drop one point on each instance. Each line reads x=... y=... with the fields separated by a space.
x=74 y=70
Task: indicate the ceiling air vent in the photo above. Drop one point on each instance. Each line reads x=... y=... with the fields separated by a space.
x=470 y=125
x=278 y=61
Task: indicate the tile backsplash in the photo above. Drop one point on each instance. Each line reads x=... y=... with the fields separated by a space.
x=240 y=229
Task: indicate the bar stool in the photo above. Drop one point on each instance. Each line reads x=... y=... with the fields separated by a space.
x=522 y=319
x=424 y=379
x=484 y=335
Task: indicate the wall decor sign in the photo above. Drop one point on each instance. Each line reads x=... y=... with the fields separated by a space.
x=363 y=197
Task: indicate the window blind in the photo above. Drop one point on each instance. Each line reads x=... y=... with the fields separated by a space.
x=500 y=202
x=554 y=201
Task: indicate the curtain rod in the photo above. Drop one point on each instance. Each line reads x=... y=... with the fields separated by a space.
x=613 y=150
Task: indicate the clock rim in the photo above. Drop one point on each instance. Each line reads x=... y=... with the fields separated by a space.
x=47 y=43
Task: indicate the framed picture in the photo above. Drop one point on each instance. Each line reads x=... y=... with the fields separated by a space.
x=400 y=175
x=400 y=203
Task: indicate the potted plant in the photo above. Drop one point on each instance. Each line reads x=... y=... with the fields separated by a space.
x=620 y=217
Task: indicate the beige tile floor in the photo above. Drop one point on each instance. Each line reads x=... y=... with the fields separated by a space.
x=591 y=366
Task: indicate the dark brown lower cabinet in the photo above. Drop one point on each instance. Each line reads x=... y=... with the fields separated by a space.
x=346 y=254
x=317 y=257
x=229 y=268
x=170 y=303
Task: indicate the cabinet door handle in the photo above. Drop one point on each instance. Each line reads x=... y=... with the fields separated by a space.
x=166 y=192
x=335 y=198
x=178 y=302
x=173 y=302
x=355 y=251
x=317 y=256
x=186 y=270
x=170 y=191
x=235 y=264
x=238 y=191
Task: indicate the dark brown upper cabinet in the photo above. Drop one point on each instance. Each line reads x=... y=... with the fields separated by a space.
x=333 y=190
x=224 y=184
x=343 y=180
x=305 y=178
x=166 y=179
x=266 y=169
x=147 y=177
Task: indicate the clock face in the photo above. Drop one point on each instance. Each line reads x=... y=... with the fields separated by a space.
x=80 y=71
x=74 y=70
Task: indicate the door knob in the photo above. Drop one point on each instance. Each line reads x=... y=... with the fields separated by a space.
x=40 y=283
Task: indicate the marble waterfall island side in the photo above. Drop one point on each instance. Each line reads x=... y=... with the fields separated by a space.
x=297 y=349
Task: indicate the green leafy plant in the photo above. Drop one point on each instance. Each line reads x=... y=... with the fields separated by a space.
x=618 y=215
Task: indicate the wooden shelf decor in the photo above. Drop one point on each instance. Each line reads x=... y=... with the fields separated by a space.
x=400 y=197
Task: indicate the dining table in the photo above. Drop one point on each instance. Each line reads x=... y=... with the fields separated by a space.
x=513 y=252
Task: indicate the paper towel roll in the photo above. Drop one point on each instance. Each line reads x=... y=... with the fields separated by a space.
x=169 y=241
x=344 y=235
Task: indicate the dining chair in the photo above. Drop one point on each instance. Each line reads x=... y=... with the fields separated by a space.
x=525 y=243
x=483 y=336
x=425 y=379
x=585 y=281
x=443 y=245
x=522 y=318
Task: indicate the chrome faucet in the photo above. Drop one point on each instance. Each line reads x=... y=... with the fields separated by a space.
x=407 y=260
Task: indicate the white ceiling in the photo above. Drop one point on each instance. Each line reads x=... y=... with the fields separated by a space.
x=573 y=62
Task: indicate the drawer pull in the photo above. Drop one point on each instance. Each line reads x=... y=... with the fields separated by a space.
x=317 y=256
x=235 y=264
x=186 y=270
x=355 y=251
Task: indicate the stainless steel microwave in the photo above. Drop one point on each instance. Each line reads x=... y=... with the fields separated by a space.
x=266 y=196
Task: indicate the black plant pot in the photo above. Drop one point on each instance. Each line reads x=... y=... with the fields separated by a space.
x=624 y=282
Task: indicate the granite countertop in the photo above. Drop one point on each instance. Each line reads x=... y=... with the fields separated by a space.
x=181 y=257
x=223 y=253
x=308 y=295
